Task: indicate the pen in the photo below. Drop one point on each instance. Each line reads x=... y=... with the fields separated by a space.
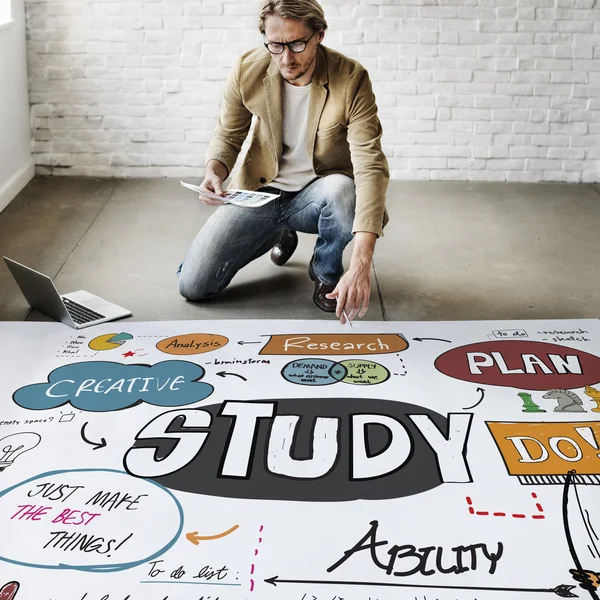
x=347 y=319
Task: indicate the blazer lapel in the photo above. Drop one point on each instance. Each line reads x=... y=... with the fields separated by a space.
x=318 y=95
x=274 y=101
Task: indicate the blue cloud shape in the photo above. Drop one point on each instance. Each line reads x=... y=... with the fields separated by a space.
x=107 y=386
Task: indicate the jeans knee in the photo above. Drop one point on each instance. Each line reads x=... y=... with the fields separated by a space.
x=202 y=281
x=193 y=290
x=341 y=186
x=341 y=193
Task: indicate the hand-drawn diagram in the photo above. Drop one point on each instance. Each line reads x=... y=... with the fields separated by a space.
x=232 y=460
x=109 y=341
x=315 y=371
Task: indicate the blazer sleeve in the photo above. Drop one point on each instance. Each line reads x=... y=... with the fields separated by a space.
x=369 y=164
x=233 y=122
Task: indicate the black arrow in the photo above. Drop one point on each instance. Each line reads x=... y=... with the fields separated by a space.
x=435 y=339
x=564 y=591
x=479 y=401
x=242 y=342
x=96 y=445
x=223 y=374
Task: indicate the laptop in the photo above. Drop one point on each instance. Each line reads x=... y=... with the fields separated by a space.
x=77 y=309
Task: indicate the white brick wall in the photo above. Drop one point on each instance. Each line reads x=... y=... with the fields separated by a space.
x=497 y=90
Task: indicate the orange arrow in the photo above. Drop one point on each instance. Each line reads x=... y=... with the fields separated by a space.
x=196 y=539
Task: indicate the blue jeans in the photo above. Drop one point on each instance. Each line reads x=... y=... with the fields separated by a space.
x=234 y=235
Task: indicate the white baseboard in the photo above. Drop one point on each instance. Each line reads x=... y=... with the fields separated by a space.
x=16 y=183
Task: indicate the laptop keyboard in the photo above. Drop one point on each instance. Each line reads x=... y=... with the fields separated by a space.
x=81 y=314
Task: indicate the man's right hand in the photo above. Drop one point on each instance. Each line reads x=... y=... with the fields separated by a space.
x=215 y=174
x=212 y=183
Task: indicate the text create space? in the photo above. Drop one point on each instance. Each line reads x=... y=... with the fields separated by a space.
x=90 y=520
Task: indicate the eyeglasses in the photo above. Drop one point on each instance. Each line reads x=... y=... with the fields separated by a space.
x=296 y=46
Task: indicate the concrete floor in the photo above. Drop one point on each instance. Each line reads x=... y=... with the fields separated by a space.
x=452 y=251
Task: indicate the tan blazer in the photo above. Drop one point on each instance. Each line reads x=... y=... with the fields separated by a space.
x=343 y=130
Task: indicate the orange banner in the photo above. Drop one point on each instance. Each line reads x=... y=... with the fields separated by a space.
x=320 y=344
x=549 y=448
x=192 y=343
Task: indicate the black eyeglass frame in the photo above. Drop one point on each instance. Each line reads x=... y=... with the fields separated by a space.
x=289 y=45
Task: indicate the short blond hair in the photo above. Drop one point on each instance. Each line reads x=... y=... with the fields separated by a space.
x=308 y=11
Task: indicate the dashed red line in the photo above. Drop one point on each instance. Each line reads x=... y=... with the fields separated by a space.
x=470 y=503
x=252 y=566
x=485 y=513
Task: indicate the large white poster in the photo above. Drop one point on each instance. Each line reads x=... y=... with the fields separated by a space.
x=300 y=460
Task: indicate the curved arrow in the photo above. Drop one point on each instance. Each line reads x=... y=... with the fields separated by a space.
x=435 y=339
x=479 y=401
x=565 y=509
x=224 y=373
x=196 y=539
x=96 y=445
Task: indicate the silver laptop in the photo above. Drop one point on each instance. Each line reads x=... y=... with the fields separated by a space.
x=76 y=309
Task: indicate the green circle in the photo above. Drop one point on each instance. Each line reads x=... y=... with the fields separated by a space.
x=364 y=372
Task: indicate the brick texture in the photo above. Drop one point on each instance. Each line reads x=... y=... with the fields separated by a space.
x=498 y=90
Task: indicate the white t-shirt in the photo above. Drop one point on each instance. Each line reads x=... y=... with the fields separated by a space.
x=295 y=167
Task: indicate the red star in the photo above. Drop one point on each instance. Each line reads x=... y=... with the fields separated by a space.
x=130 y=353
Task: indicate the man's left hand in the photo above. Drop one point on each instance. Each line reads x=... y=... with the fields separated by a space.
x=352 y=293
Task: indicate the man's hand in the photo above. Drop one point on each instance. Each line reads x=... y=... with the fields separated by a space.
x=352 y=293
x=216 y=173
x=354 y=288
x=588 y=580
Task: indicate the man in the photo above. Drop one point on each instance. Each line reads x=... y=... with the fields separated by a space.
x=316 y=142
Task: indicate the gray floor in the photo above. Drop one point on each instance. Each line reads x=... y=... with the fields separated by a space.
x=451 y=251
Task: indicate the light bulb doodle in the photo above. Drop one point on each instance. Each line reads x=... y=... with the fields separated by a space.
x=12 y=446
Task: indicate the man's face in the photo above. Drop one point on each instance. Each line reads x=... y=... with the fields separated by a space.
x=294 y=67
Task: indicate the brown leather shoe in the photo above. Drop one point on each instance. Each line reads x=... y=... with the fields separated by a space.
x=284 y=247
x=321 y=289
